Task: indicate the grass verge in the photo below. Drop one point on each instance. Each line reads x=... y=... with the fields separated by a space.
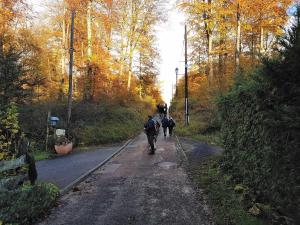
x=193 y=131
x=224 y=199
x=40 y=155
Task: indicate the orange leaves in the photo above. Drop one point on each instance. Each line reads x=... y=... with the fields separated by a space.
x=76 y=4
x=9 y=11
x=229 y=35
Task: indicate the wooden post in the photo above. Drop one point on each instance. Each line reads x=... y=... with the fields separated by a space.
x=47 y=130
x=238 y=39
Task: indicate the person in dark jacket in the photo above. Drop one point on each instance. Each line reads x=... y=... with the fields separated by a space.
x=165 y=109
x=157 y=126
x=165 y=124
x=171 y=125
x=150 y=131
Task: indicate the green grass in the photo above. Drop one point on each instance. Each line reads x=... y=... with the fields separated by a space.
x=197 y=132
x=226 y=204
x=40 y=155
x=92 y=124
x=120 y=125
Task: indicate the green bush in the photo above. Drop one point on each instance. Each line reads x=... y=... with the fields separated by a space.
x=260 y=130
x=27 y=204
x=9 y=127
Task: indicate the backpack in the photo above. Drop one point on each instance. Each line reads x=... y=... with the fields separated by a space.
x=165 y=122
x=171 y=123
x=150 y=126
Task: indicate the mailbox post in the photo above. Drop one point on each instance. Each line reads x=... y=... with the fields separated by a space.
x=51 y=121
x=54 y=120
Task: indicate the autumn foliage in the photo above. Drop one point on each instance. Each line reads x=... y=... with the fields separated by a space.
x=114 y=48
x=115 y=60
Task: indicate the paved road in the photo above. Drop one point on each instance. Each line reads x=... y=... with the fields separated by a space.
x=135 y=188
x=64 y=170
x=196 y=151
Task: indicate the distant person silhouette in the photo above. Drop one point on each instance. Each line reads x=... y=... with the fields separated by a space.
x=172 y=124
x=165 y=124
x=150 y=130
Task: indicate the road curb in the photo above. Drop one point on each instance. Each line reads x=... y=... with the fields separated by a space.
x=84 y=176
x=181 y=148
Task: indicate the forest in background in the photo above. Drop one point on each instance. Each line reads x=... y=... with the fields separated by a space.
x=114 y=74
x=244 y=96
x=227 y=38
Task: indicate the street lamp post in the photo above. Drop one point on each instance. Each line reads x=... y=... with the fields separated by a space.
x=186 y=79
x=176 y=87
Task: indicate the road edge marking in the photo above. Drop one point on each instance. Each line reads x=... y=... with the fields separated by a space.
x=84 y=176
x=181 y=148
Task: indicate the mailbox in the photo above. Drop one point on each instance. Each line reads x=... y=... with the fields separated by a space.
x=54 y=120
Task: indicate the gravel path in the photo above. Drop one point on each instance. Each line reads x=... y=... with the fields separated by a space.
x=134 y=188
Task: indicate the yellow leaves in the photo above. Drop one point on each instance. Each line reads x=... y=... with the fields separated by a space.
x=195 y=7
x=3 y=156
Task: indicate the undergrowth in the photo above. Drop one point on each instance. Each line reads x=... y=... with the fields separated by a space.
x=226 y=200
x=27 y=204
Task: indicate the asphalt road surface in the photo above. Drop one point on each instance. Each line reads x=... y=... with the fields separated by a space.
x=135 y=188
x=196 y=150
x=64 y=170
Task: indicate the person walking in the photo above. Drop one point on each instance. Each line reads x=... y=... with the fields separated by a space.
x=165 y=124
x=171 y=125
x=165 y=109
x=150 y=130
x=157 y=126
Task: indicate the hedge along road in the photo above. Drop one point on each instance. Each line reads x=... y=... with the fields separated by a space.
x=64 y=170
x=135 y=188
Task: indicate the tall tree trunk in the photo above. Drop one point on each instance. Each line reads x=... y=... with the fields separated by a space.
x=252 y=48
x=109 y=31
x=140 y=75
x=238 y=39
x=1 y=56
x=70 y=92
x=130 y=67
x=89 y=30
x=221 y=54
x=131 y=34
x=123 y=50
x=261 y=48
x=63 y=42
x=1 y=45
x=206 y=17
x=210 y=60
x=89 y=81
x=199 y=61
